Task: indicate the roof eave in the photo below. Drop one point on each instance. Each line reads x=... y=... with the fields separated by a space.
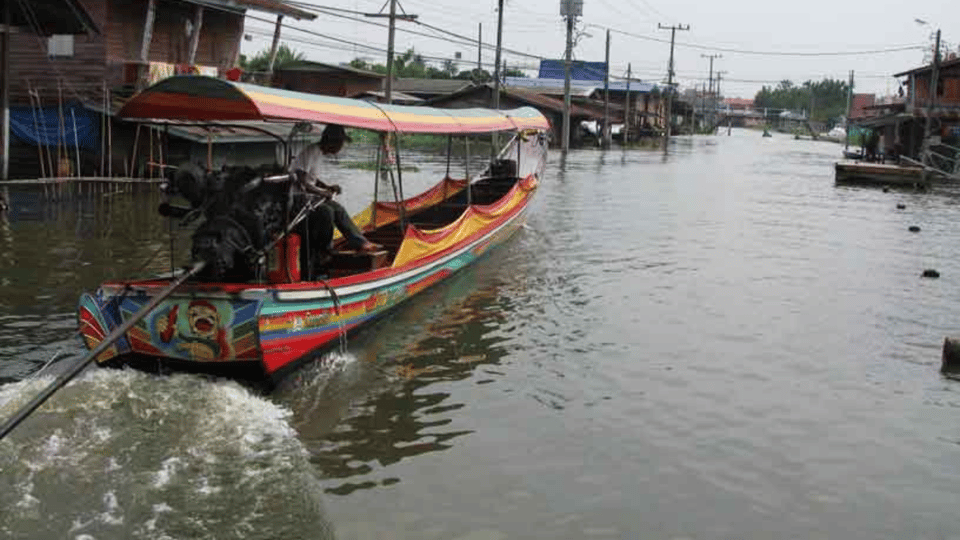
x=272 y=7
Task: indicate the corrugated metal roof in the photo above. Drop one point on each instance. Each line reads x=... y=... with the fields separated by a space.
x=580 y=88
x=534 y=99
x=943 y=65
x=430 y=86
x=396 y=97
x=321 y=67
x=579 y=70
x=241 y=132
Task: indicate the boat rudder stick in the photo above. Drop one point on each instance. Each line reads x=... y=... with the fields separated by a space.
x=74 y=370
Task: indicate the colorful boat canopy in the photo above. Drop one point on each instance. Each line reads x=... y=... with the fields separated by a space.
x=193 y=98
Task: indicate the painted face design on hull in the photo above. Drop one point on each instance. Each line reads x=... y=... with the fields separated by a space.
x=204 y=319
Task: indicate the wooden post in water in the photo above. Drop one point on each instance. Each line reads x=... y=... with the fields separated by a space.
x=103 y=128
x=76 y=141
x=5 y=93
x=36 y=128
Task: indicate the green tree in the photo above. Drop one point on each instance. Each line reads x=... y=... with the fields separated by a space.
x=412 y=65
x=478 y=76
x=261 y=60
x=824 y=100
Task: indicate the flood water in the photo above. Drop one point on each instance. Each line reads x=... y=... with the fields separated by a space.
x=713 y=343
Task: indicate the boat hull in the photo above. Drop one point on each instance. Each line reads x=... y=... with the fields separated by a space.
x=262 y=330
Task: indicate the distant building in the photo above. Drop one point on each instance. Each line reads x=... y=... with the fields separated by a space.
x=738 y=104
x=511 y=98
x=429 y=88
x=861 y=106
x=327 y=79
x=588 y=85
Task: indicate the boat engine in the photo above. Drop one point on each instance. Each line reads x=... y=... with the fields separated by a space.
x=242 y=214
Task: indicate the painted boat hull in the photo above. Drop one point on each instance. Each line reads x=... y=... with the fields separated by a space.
x=253 y=331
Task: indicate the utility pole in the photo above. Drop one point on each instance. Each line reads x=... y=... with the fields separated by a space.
x=274 y=47
x=496 y=62
x=626 y=111
x=569 y=9
x=479 y=46
x=716 y=99
x=673 y=33
x=711 y=57
x=934 y=76
x=846 y=127
x=388 y=83
x=605 y=136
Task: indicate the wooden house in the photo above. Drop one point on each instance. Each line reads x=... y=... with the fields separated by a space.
x=511 y=98
x=141 y=41
x=41 y=18
x=326 y=79
x=944 y=107
x=62 y=76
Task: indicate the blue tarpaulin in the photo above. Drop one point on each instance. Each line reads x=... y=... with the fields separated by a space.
x=43 y=126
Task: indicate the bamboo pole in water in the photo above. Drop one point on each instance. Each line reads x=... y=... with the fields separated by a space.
x=109 y=138
x=76 y=141
x=43 y=124
x=103 y=128
x=61 y=133
x=133 y=155
x=36 y=128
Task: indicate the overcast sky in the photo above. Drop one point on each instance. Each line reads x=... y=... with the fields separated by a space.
x=730 y=28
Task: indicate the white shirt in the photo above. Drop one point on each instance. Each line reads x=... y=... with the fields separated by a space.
x=313 y=161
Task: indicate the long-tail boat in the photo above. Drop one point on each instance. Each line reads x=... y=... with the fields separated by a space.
x=256 y=312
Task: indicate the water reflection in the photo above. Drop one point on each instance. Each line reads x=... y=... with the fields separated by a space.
x=57 y=241
x=390 y=404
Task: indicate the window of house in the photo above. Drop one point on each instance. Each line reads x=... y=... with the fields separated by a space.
x=60 y=46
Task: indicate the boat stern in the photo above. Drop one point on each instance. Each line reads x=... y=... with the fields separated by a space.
x=97 y=317
x=201 y=330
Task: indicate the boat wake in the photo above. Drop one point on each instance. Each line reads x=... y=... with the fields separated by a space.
x=121 y=454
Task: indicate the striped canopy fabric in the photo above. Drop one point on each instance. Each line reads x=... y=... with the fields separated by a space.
x=191 y=98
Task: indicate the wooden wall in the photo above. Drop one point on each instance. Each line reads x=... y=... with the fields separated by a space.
x=101 y=58
x=221 y=32
x=326 y=83
x=948 y=92
x=80 y=77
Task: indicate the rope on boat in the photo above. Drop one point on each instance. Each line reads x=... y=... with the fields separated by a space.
x=109 y=340
x=336 y=307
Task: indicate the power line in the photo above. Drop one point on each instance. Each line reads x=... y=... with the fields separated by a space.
x=462 y=40
x=898 y=48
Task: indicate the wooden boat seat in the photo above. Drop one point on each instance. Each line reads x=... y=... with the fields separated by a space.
x=345 y=262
